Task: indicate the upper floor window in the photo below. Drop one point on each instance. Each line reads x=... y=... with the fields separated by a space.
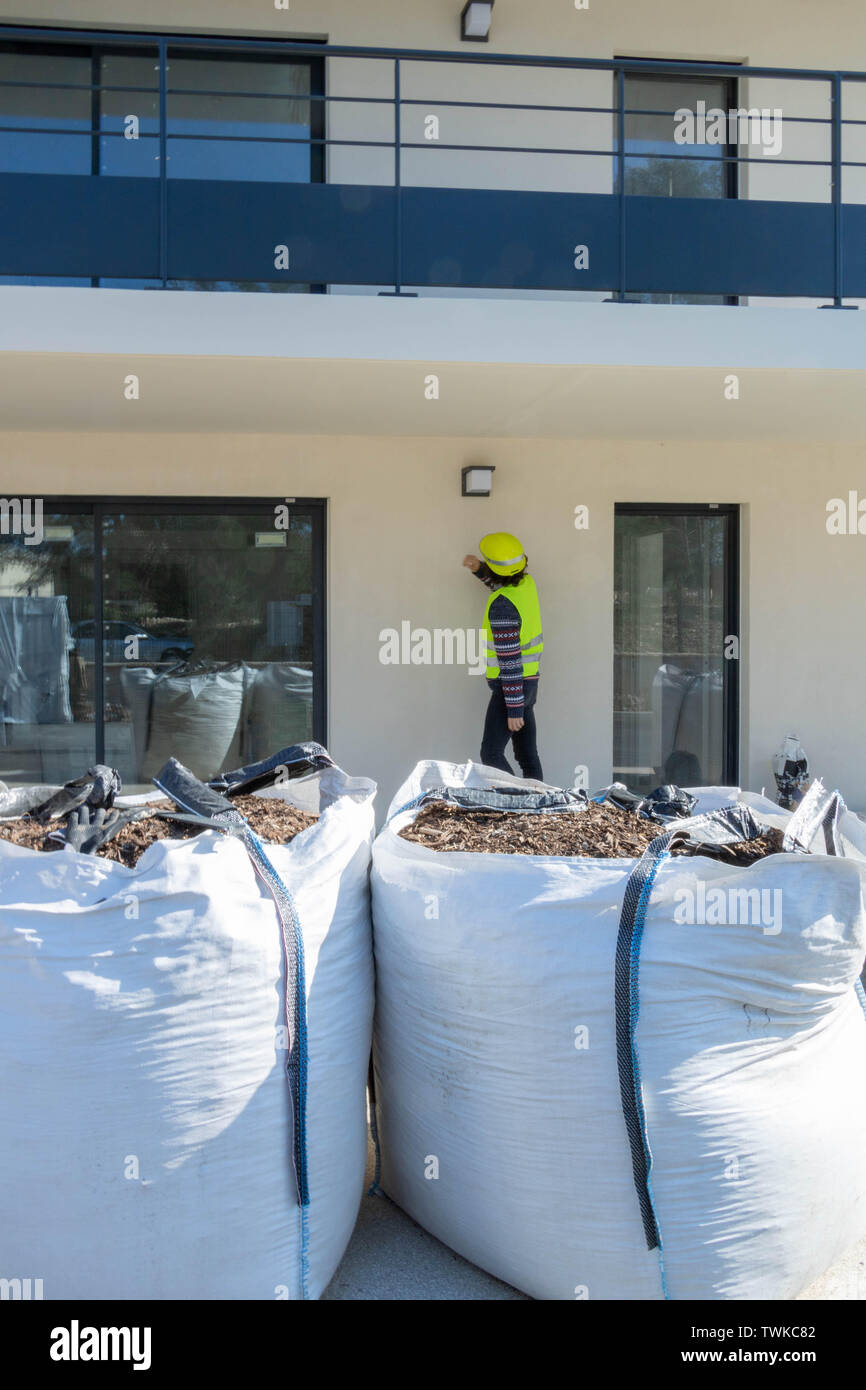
x=82 y=108
x=656 y=166
x=77 y=109
x=233 y=117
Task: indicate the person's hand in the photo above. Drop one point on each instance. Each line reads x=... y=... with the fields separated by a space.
x=472 y=563
x=515 y=725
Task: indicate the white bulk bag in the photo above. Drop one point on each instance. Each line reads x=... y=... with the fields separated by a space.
x=280 y=704
x=519 y=1128
x=195 y=716
x=146 y=1135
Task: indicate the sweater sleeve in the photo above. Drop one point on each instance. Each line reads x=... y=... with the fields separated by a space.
x=505 y=626
x=487 y=577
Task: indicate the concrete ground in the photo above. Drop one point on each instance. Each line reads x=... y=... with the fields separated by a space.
x=391 y=1258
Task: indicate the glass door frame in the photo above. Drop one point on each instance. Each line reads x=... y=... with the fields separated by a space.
x=98 y=507
x=731 y=605
x=731 y=166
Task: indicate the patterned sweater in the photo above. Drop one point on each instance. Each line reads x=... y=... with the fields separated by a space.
x=505 y=626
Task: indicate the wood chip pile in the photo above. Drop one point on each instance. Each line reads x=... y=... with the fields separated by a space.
x=601 y=831
x=275 y=822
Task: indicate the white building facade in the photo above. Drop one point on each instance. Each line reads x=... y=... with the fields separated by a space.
x=272 y=276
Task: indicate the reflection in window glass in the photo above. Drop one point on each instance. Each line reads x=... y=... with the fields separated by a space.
x=252 y=105
x=670 y=688
x=129 y=118
x=651 y=168
x=206 y=640
x=50 y=123
x=208 y=637
x=47 y=729
x=95 y=110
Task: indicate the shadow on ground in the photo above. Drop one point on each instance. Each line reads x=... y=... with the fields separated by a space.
x=391 y=1258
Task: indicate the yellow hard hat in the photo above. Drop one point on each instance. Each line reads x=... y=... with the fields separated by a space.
x=502 y=552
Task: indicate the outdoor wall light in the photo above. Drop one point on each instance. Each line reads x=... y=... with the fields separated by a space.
x=477 y=480
x=475 y=22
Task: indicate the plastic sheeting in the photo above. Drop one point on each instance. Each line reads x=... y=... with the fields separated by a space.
x=34 y=660
x=196 y=716
x=280 y=703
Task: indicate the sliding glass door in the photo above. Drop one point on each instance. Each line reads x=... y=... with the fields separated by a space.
x=93 y=108
x=656 y=166
x=676 y=645
x=138 y=630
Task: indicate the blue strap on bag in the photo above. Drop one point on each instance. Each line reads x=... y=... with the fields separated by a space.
x=184 y=788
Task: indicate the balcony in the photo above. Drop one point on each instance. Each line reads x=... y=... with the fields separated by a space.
x=416 y=171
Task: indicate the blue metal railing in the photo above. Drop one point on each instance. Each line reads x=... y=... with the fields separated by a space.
x=414 y=234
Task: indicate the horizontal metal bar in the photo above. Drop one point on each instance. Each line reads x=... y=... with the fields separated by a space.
x=88 y=132
x=305 y=97
x=74 y=87
x=720 y=159
x=199 y=92
x=273 y=96
x=505 y=105
x=282 y=140
x=386 y=101
x=322 y=50
x=628 y=154
x=85 y=133
x=591 y=110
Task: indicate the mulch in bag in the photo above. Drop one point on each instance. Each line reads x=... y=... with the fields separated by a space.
x=185 y=1048
x=625 y=1078
x=273 y=820
x=595 y=831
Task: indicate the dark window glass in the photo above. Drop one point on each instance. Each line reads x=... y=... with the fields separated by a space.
x=78 y=110
x=128 y=113
x=674 y=690
x=45 y=125
x=47 y=707
x=94 y=110
x=210 y=647
x=86 y=109
x=652 y=168
x=235 y=118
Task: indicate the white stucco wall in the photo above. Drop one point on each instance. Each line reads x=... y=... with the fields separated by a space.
x=398 y=530
x=397 y=525
x=773 y=32
x=770 y=34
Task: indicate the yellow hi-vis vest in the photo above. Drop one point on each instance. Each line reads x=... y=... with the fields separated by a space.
x=524 y=596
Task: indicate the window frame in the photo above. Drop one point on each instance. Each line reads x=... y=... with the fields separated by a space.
x=98 y=507
x=731 y=165
x=317 y=89
x=141 y=41
x=731 y=686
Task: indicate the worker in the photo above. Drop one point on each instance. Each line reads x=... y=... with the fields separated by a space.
x=513 y=639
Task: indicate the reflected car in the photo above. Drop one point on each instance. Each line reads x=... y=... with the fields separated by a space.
x=123 y=641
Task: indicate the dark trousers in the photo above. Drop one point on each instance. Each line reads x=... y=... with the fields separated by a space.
x=496 y=732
